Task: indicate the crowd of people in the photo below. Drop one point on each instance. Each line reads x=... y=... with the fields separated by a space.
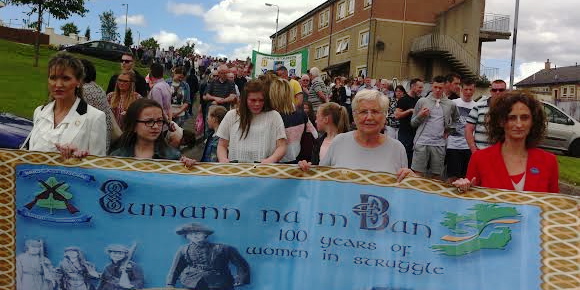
x=356 y=123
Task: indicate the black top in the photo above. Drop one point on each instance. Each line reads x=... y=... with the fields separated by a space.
x=404 y=104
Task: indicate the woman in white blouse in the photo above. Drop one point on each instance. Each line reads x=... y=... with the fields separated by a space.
x=254 y=132
x=67 y=124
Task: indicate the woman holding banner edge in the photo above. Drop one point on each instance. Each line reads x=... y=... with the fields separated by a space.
x=517 y=123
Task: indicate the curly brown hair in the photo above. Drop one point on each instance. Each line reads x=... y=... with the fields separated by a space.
x=501 y=107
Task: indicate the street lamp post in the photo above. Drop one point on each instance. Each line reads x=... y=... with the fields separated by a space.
x=138 y=38
x=515 y=40
x=126 y=15
x=277 y=16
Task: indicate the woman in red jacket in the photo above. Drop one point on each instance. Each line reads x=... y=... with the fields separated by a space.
x=516 y=125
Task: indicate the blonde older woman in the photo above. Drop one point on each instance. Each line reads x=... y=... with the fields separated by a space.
x=366 y=147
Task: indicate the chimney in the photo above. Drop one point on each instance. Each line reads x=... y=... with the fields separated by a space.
x=548 y=64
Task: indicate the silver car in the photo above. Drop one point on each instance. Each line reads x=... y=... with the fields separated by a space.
x=563 y=132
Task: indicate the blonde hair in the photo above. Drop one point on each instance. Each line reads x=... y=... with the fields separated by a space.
x=338 y=114
x=281 y=96
x=130 y=95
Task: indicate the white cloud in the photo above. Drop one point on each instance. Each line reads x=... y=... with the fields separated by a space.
x=167 y=39
x=137 y=20
x=527 y=69
x=185 y=8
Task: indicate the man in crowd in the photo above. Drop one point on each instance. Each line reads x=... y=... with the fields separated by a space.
x=305 y=84
x=282 y=72
x=160 y=90
x=127 y=64
x=434 y=117
x=367 y=85
x=221 y=91
x=231 y=78
x=452 y=89
x=475 y=131
x=180 y=96
x=458 y=152
x=404 y=112
x=317 y=94
x=240 y=80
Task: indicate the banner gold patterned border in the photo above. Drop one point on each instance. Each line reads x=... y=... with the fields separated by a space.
x=560 y=213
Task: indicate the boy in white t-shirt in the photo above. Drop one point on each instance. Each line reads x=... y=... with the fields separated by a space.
x=458 y=152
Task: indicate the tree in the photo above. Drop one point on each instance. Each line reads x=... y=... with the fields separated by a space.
x=187 y=49
x=128 y=38
x=69 y=28
x=88 y=33
x=150 y=43
x=109 y=26
x=57 y=8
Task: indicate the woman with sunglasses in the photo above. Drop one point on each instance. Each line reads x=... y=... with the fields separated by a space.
x=123 y=96
x=142 y=138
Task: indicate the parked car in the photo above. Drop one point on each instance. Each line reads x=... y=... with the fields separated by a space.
x=100 y=49
x=563 y=132
x=13 y=130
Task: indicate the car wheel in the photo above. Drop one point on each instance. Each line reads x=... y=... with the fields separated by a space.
x=574 y=150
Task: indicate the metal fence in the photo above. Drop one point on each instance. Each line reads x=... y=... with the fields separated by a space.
x=491 y=73
x=496 y=22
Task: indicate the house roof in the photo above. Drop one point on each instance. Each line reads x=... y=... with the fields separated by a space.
x=561 y=75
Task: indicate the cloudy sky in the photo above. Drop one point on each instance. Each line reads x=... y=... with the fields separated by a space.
x=234 y=27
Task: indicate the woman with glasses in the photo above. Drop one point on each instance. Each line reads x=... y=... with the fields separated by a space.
x=366 y=147
x=516 y=125
x=67 y=124
x=142 y=138
x=123 y=96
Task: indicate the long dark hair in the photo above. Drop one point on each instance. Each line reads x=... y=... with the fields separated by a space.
x=129 y=138
x=244 y=112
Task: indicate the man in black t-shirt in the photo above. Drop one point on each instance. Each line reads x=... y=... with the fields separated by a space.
x=404 y=112
x=127 y=64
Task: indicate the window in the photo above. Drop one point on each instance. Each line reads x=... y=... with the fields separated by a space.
x=568 y=93
x=341 y=10
x=350 y=5
x=323 y=18
x=368 y=3
x=282 y=40
x=293 y=33
x=361 y=71
x=322 y=51
x=363 y=39
x=342 y=45
x=555 y=116
x=307 y=27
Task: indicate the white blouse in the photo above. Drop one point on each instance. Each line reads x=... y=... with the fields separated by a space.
x=86 y=129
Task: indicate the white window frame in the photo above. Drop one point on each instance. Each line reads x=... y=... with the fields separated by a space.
x=568 y=93
x=307 y=27
x=282 y=40
x=350 y=7
x=341 y=10
x=367 y=3
x=361 y=68
x=321 y=51
x=360 y=38
x=342 y=45
x=324 y=18
x=293 y=33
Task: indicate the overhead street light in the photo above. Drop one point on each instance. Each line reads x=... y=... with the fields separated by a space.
x=126 y=15
x=277 y=16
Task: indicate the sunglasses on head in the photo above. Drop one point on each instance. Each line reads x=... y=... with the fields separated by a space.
x=497 y=90
x=126 y=60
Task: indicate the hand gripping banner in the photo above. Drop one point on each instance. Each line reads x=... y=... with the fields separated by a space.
x=121 y=223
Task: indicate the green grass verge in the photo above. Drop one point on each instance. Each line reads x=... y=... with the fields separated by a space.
x=569 y=170
x=25 y=87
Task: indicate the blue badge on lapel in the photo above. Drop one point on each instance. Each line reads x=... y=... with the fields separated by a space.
x=534 y=170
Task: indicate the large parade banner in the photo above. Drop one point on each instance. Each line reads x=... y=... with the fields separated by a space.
x=296 y=63
x=121 y=223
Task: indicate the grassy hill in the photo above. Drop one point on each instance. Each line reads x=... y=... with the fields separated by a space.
x=25 y=87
